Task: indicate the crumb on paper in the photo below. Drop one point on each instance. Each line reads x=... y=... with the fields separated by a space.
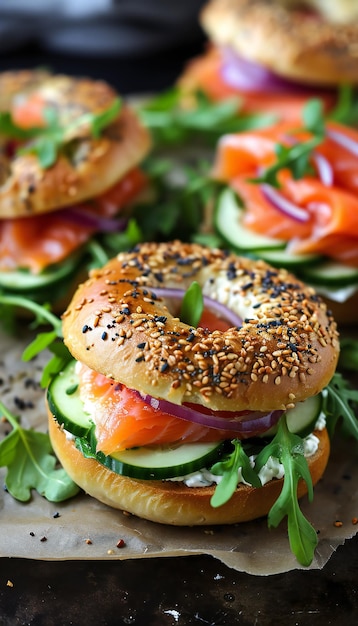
x=88 y=541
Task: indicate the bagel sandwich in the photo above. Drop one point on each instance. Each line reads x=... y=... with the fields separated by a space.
x=157 y=416
x=275 y=54
x=70 y=156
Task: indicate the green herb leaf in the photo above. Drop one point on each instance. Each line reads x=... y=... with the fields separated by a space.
x=340 y=400
x=102 y=120
x=346 y=109
x=313 y=117
x=348 y=357
x=297 y=157
x=30 y=464
x=48 y=141
x=192 y=305
x=229 y=469
x=288 y=449
x=170 y=122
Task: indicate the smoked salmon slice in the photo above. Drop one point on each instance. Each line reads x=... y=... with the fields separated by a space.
x=41 y=240
x=331 y=228
x=123 y=420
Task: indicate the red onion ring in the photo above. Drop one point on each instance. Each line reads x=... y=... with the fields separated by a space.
x=247 y=423
x=284 y=205
x=80 y=215
x=324 y=169
x=346 y=142
x=246 y=75
x=221 y=310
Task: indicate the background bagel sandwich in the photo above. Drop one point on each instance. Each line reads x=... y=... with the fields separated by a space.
x=70 y=155
x=275 y=54
x=153 y=411
x=291 y=200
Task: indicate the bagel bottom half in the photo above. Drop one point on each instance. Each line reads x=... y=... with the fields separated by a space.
x=170 y=502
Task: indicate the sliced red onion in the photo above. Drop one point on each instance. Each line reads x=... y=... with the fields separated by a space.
x=346 y=142
x=324 y=168
x=221 y=310
x=246 y=423
x=284 y=205
x=246 y=75
x=81 y=216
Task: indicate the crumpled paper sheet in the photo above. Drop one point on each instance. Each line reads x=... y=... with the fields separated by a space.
x=82 y=528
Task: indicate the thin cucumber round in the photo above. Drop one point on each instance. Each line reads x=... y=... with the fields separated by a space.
x=331 y=274
x=65 y=403
x=302 y=418
x=25 y=281
x=228 y=223
x=282 y=258
x=160 y=462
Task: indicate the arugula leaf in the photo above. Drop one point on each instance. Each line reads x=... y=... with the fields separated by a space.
x=338 y=403
x=346 y=109
x=348 y=357
x=192 y=305
x=46 y=142
x=296 y=157
x=172 y=122
x=41 y=312
x=180 y=198
x=288 y=449
x=229 y=469
x=30 y=463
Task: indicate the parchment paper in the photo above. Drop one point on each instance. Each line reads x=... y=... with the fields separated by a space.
x=82 y=528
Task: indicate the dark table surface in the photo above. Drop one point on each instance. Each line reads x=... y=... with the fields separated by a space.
x=165 y=591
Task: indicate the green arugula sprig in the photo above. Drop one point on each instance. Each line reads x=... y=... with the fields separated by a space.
x=348 y=357
x=340 y=403
x=297 y=157
x=180 y=197
x=288 y=449
x=30 y=464
x=229 y=468
x=346 y=109
x=49 y=339
x=192 y=305
x=170 y=122
x=46 y=142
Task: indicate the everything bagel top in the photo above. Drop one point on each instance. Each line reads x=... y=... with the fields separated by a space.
x=284 y=351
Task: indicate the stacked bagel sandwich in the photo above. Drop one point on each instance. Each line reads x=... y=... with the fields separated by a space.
x=70 y=155
x=151 y=407
x=275 y=54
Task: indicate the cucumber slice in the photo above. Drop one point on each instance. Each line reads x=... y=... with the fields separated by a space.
x=65 y=403
x=25 y=281
x=331 y=274
x=228 y=223
x=282 y=258
x=160 y=462
x=302 y=418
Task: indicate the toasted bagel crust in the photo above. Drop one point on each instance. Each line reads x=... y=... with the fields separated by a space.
x=170 y=502
x=285 y=350
x=94 y=165
x=294 y=42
